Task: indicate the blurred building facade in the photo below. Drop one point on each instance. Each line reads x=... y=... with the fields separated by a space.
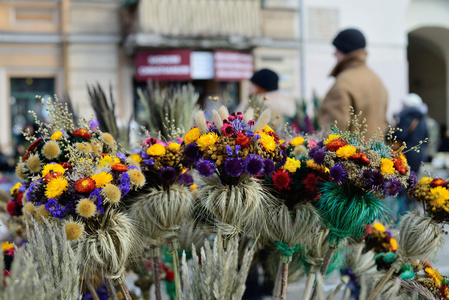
x=59 y=46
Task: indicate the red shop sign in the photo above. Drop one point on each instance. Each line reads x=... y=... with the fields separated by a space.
x=163 y=65
x=233 y=65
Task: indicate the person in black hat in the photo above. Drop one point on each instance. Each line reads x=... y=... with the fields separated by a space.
x=263 y=81
x=355 y=85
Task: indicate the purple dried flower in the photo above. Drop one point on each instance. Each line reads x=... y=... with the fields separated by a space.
x=237 y=149
x=412 y=180
x=392 y=187
x=283 y=152
x=268 y=167
x=57 y=211
x=257 y=136
x=185 y=179
x=234 y=167
x=143 y=154
x=167 y=174
x=148 y=162
x=191 y=151
x=22 y=188
x=238 y=125
x=367 y=177
x=319 y=155
x=378 y=178
x=124 y=185
x=206 y=168
x=338 y=173
x=320 y=144
x=121 y=156
x=254 y=164
x=312 y=151
x=228 y=150
x=133 y=168
x=95 y=195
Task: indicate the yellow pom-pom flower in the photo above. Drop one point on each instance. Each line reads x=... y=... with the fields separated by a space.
x=102 y=179
x=136 y=178
x=440 y=196
x=207 y=140
x=108 y=160
x=425 y=180
x=292 y=165
x=346 y=152
x=73 y=230
x=330 y=138
x=173 y=147
x=56 y=187
x=386 y=166
x=15 y=188
x=299 y=140
x=51 y=150
x=192 y=135
x=34 y=163
x=267 y=141
x=379 y=227
x=6 y=246
x=111 y=193
x=156 y=150
x=42 y=213
x=86 y=208
x=56 y=168
x=56 y=136
x=393 y=244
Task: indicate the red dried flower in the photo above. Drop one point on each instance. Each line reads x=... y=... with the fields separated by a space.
x=438 y=182
x=281 y=180
x=25 y=157
x=276 y=137
x=311 y=182
x=13 y=208
x=81 y=133
x=35 y=144
x=361 y=158
x=19 y=199
x=243 y=140
x=444 y=291
x=119 y=167
x=66 y=165
x=85 y=185
x=51 y=175
x=335 y=145
x=399 y=165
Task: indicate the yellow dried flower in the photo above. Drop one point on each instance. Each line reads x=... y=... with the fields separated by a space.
x=379 y=227
x=28 y=207
x=193 y=187
x=107 y=138
x=6 y=246
x=156 y=150
x=15 y=188
x=425 y=180
x=56 y=168
x=207 y=140
x=435 y=275
x=267 y=141
x=173 y=147
x=56 y=187
x=192 y=135
x=267 y=129
x=108 y=160
x=299 y=140
x=136 y=157
x=292 y=165
x=34 y=163
x=56 y=136
x=86 y=208
x=111 y=193
x=331 y=138
x=386 y=166
x=136 y=178
x=440 y=196
x=73 y=230
x=51 y=150
x=320 y=168
x=101 y=179
x=84 y=147
x=346 y=152
x=42 y=213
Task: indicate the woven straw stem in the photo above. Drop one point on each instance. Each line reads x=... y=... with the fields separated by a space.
x=310 y=282
x=156 y=277
x=174 y=247
x=277 y=283
x=284 y=282
x=125 y=291
x=91 y=288
x=382 y=283
x=325 y=266
x=111 y=289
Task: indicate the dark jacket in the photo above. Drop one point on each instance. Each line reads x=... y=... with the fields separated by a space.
x=413 y=132
x=358 y=86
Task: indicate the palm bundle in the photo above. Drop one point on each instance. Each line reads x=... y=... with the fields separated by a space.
x=228 y=154
x=217 y=273
x=166 y=201
x=78 y=180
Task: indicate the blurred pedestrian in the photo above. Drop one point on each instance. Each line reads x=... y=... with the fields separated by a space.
x=355 y=85
x=413 y=125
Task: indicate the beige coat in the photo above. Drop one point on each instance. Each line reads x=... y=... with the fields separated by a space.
x=358 y=86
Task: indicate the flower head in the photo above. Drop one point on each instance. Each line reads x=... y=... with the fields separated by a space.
x=13 y=208
x=119 y=167
x=136 y=178
x=73 y=230
x=53 y=168
x=299 y=140
x=56 y=187
x=136 y=157
x=56 y=136
x=392 y=187
x=268 y=167
x=207 y=140
x=228 y=129
x=234 y=167
x=292 y=165
x=167 y=174
x=334 y=145
x=192 y=135
x=412 y=180
x=173 y=147
x=377 y=177
x=338 y=173
x=156 y=150
x=318 y=156
x=34 y=163
x=101 y=179
x=108 y=139
x=243 y=140
x=86 y=208
x=111 y=193
x=254 y=164
x=281 y=180
x=268 y=141
x=81 y=133
x=330 y=138
x=438 y=182
x=85 y=185
x=387 y=166
x=346 y=152
x=51 y=150
x=205 y=168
